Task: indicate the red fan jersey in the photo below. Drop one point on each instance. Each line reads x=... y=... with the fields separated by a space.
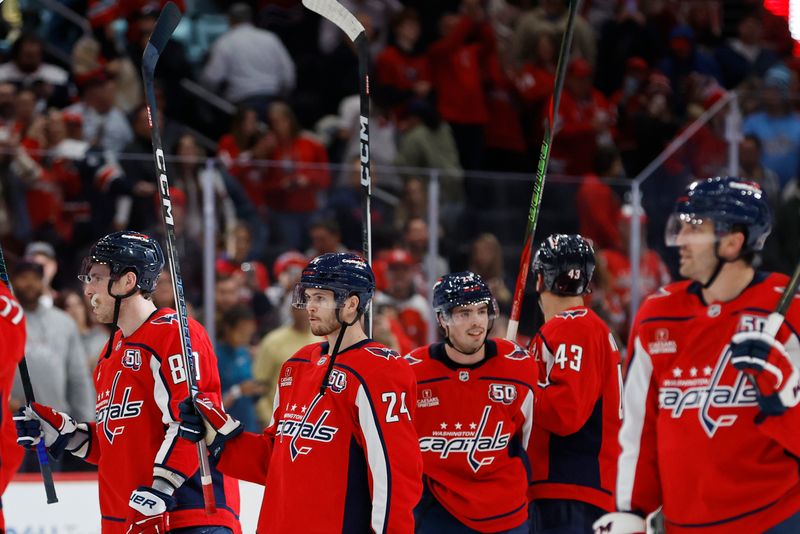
x=12 y=348
x=135 y=436
x=474 y=423
x=574 y=447
x=692 y=439
x=346 y=461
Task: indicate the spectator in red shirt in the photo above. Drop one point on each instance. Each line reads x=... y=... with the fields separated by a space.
x=413 y=310
x=238 y=261
x=245 y=142
x=458 y=63
x=596 y=203
x=534 y=84
x=402 y=71
x=292 y=187
x=586 y=121
x=614 y=268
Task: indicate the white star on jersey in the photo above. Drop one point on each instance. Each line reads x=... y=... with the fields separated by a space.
x=693 y=371
x=473 y=426
x=677 y=372
x=458 y=426
x=707 y=370
x=443 y=426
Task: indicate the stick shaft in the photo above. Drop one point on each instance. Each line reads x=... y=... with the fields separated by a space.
x=27 y=386
x=158 y=40
x=541 y=172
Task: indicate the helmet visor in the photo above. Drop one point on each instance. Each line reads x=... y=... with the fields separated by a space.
x=689 y=229
x=468 y=313
x=322 y=298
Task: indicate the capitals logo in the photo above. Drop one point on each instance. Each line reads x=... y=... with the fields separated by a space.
x=572 y=314
x=110 y=411
x=517 y=353
x=383 y=352
x=709 y=394
x=166 y=319
x=305 y=430
x=469 y=443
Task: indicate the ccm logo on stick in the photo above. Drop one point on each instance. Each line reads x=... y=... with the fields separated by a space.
x=162 y=183
x=364 y=136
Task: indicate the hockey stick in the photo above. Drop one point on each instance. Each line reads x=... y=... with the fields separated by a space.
x=27 y=387
x=338 y=14
x=167 y=21
x=541 y=171
x=775 y=319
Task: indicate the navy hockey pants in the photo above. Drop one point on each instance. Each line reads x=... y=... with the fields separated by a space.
x=550 y=516
x=789 y=526
x=432 y=518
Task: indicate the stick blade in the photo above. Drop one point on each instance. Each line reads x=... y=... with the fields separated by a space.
x=167 y=21
x=338 y=14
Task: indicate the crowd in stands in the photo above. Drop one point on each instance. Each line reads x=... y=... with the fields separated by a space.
x=459 y=86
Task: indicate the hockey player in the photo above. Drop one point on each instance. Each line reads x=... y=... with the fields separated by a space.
x=474 y=414
x=577 y=417
x=12 y=348
x=712 y=429
x=340 y=454
x=149 y=479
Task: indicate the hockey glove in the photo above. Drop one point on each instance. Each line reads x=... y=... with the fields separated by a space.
x=148 y=513
x=59 y=430
x=620 y=523
x=776 y=377
x=205 y=419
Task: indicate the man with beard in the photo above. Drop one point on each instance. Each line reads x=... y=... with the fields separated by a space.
x=340 y=454
x=149 y=479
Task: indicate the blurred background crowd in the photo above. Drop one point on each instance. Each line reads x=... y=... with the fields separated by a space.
x=259 y=102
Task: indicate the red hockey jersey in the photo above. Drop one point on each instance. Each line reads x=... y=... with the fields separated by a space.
x=346 y=461
x=574 y=447
x=474 y=423
x=135 y=435
x=692 y=440
x=12 y=348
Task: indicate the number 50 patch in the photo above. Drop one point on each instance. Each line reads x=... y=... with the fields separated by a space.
x=504 y=393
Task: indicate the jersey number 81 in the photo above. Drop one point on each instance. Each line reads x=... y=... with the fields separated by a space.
x=178 y=370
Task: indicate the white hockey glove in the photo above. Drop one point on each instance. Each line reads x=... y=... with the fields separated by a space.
x=620 y=523
x=58 y=430
x=764 y=358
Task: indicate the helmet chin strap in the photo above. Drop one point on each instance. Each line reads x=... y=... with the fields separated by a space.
x=117 y=305
x=343 y=326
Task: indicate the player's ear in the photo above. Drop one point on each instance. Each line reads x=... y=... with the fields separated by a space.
x=730 y=246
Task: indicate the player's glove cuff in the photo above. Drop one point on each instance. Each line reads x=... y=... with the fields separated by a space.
x=216 y=426
x=765 y=359
x=620 y=523
x=37 y=422
x=149 y=508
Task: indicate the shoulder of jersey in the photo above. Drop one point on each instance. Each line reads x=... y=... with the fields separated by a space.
x=377 y=354
x=419 y=356
x=308 y=351
x=670 y=299
x=511 y=351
